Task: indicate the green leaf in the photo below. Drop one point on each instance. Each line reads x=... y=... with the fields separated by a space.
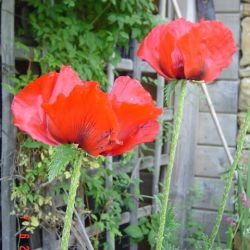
x=60 y=158
x=30 y=143
x=9 y=88
x=134 y=232
x=168 y=91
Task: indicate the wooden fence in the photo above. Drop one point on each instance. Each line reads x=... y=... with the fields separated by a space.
x=200 y=155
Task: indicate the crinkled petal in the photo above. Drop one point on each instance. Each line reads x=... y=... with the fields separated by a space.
x=181 y=49
x=85 y=117
x=160 y=51
x=149 y=49
x=207 y=49
x=129 y=90
x=138 y=124
x=28 y=114
x=136 y=114
x=65 y=83
x=171 y=60
x=193 y=55
x=220 y=47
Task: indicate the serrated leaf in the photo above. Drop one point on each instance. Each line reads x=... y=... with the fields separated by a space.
x=168 y=91
x=60 y=158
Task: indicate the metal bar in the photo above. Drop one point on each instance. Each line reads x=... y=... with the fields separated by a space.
x=210 y=104
x=8 y=131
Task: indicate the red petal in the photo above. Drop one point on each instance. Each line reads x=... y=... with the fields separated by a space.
x=136 y=114
x=138 y=124
x=28 y=114
x=149 y=49
x=160 y=51
x=220 y=45
x=129 y=90
x=192 y=51
x=85 y=117
x=66 y=81
x=27 y=111
x=171 y=60
x=206 y=50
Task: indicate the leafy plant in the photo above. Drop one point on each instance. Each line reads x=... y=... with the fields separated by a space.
x=86 y=35
x=85 y=28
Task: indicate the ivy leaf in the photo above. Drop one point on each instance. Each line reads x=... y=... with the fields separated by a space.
x=60 y=158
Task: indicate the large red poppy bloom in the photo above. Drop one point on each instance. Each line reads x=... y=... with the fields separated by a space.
x=185 y=50
x=59 y=108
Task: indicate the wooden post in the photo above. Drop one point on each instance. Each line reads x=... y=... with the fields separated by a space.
x=160 y=103
x=136 y=171
x=183 y=169
x=109 y=160
x=8 y=130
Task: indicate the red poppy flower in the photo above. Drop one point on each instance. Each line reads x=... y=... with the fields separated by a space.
x=185 y=50
x=59 y=108
x=136 y=115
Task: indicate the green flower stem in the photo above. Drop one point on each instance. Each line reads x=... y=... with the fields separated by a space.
x=166 y=189
x=230 y=178
x=71 y=202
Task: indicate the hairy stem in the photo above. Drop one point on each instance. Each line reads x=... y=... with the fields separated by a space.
x=71 y=202
x=230 y=178
x=166 y=189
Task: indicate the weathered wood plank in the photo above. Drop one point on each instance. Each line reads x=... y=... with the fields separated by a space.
x=134 y=186
x=207 y=220
x=232 y=21
x=125 y=65
x=146 y=163
x=109 y=160
x=8 y=131
x=49 y=240
x=158 y=143
x=125 y=218
x=182 y=175
x=211 y=193
x=227 y=6
x=207 y=133
x=232 y=72
x=210 y=161
x=224 y=95
x=160 y=103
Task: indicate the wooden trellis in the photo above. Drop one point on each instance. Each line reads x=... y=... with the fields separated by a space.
x=196 y=147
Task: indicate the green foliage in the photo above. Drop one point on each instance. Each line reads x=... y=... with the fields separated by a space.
x=169 y=90
x=241 y=218
x=37 y=196
x=148 y=227
x=60 y=158
x=86 y=34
